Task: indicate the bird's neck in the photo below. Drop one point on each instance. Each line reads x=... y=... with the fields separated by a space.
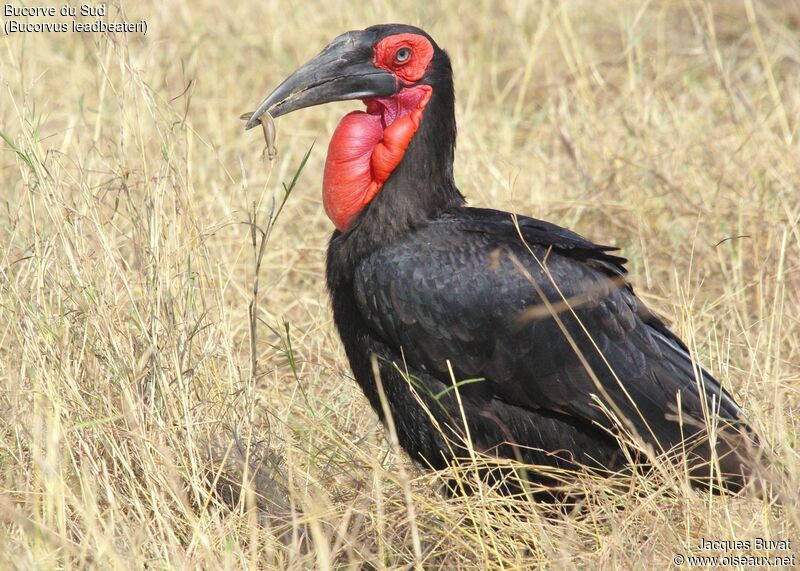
x=419 y=189
x=422 y=185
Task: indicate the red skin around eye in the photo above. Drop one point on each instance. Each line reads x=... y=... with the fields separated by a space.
x=411 y=70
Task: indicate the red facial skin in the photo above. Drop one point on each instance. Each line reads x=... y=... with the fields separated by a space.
x=414 y=67
x=367 y=146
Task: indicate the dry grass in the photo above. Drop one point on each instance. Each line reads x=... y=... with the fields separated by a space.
x=669 y=128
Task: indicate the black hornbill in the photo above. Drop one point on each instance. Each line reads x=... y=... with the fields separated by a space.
x=525 y=331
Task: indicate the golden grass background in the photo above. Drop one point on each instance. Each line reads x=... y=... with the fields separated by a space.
x=129 y=414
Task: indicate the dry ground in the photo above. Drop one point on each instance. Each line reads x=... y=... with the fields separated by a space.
x=127 y=395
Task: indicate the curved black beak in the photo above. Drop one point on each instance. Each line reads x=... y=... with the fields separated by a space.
x=343 y=70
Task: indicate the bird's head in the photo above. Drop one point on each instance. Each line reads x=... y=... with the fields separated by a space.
x=395 y=70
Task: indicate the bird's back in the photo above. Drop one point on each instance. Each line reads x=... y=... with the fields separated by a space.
x=548 y=322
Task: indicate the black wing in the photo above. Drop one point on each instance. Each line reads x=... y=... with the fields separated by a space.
x=466 y=289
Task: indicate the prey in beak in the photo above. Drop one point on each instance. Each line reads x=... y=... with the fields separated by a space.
x=343 y=70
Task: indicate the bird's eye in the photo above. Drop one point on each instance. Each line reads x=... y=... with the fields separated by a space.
x=402 y=55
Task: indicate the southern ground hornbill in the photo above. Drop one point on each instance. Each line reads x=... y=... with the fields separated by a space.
x=524 y=330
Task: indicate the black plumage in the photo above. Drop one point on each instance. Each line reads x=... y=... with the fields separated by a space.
x=537 y=324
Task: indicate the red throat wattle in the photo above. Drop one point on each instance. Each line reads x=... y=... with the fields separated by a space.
x=366 y=147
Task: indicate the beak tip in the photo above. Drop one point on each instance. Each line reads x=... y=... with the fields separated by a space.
x=251 y=118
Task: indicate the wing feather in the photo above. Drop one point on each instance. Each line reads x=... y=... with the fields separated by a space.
x=468 y=290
